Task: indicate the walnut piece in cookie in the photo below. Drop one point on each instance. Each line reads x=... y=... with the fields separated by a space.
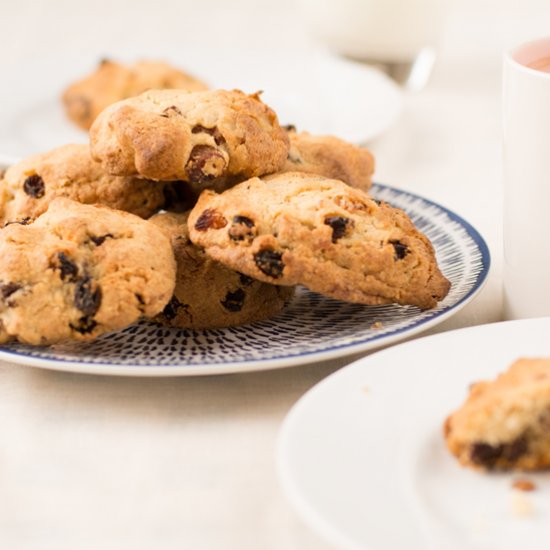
x=505 y=423
x=208 y=294
x=79 y=271
x=331 y=157
x=112 y=81
x=203 y=138
x=297 y=228
x=29 y=186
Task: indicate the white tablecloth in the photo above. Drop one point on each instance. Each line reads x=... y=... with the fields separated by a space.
x=97 y=462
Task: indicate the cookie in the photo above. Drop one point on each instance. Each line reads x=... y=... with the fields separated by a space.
x=208 y=294
x=203 y=138
x=505 y=423
x=112 y=81
x=330 y=157
x=29 y=186
x=79 y=271
x=298 y=228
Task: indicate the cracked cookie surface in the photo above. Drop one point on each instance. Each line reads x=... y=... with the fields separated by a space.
x=330 y=157
x=298 y=228
x=28 y=187
x=79 y=271
x=204 y=138
x=112 y=81
x=208 y=294
x=505 y=423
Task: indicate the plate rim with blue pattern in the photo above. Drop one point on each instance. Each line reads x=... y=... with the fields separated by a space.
x=463 y=256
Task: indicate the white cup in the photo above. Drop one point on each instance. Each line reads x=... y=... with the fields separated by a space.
x=526 y=117
x=381 y=30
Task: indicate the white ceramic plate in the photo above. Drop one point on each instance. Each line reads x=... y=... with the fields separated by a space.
x=311 y=328
x=362 y=457
x=318 y=92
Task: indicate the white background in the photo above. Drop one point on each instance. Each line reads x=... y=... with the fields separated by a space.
x=91 y=462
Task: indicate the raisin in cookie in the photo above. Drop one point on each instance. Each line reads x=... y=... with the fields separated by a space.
x=299 y=228
x=112 y=81
x=29 y=186
x=330 y=157
x=79 y=271
x=505 y=423
x=201 y=137
x=208 y=294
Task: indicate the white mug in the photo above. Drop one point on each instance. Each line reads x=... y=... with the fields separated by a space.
x=526 y=126
x=381 y=30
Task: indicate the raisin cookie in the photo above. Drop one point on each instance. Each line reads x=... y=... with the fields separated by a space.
x=330 y=157
x=29 y=186
x=208 y=294
x=112 y=81
x=199 y=137
x=505 y=423
x=79 y=271
x=298 y=228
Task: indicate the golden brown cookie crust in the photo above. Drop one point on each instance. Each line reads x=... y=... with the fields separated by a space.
x=199 y=137
x=505 y=423
x=298 y=228
x=29 y=186
x=330 y=157
x=209 y=295
x=112 y=81
x=79 y=271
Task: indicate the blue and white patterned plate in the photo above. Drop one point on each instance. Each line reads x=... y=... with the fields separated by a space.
x=311 y=328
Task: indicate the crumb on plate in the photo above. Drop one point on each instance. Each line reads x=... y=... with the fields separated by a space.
x=525 y=485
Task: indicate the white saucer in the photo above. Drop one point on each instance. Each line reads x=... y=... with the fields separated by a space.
x=362 y=457
x=317 y=92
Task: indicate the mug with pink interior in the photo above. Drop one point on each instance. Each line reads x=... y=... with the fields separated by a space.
x=526 y=126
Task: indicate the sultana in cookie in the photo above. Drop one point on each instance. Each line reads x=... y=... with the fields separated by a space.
x=203 y=138
x=29 y=186
x=111 y=82
x=331 y=157
x=208 y=294
x=505 y=423
x=79 y=271
x=298 y=228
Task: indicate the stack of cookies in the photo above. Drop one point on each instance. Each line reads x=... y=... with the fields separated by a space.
x=198 y=210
